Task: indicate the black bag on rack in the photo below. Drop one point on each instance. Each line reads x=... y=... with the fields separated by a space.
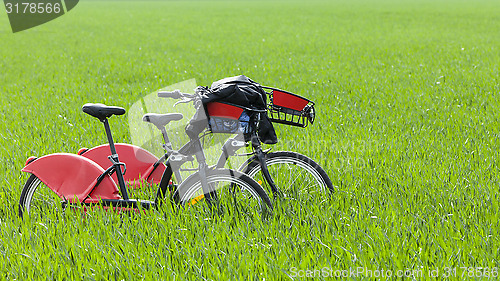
x=238 y=90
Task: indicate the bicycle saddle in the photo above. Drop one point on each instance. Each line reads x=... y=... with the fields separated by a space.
x=161 y=120
x=101 y=111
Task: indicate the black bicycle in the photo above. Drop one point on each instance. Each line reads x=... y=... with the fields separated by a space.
x=285 y=173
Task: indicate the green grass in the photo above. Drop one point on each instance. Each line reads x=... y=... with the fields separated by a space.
x=407 y=128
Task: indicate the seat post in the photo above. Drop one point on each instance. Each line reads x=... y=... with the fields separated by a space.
x=115 y=160
x=110 y=137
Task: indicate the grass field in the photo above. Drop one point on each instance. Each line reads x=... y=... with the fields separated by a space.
x=407 y=128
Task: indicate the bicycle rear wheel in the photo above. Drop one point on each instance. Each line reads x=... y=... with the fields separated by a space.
x=37 y=199
x=230 y=192
x=296 y=175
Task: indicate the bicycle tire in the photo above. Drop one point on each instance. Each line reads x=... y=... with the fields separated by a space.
x=281 y=164
x=251 y=194
x=37 y=199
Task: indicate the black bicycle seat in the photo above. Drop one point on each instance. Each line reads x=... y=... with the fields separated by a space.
x=101 y=111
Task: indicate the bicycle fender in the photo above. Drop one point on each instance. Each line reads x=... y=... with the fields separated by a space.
x=139 y=162
x=72 y=177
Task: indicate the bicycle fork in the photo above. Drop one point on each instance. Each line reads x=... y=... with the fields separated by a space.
x=261 y=156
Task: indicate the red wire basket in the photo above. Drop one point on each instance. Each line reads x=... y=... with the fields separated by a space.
x=290 y=109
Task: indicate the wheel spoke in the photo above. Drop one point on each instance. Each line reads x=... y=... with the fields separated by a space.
x=295 y=175
x=37 y=199
x=234 y=195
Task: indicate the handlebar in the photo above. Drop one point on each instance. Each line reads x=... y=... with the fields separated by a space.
x=196 y=97
x=174 y=95
x=184 y=97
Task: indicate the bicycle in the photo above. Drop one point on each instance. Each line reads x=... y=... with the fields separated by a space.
x=63 y=180
x=264 y=165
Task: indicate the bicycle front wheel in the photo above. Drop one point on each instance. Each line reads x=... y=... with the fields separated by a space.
x=229 y=191
x=296 y=175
